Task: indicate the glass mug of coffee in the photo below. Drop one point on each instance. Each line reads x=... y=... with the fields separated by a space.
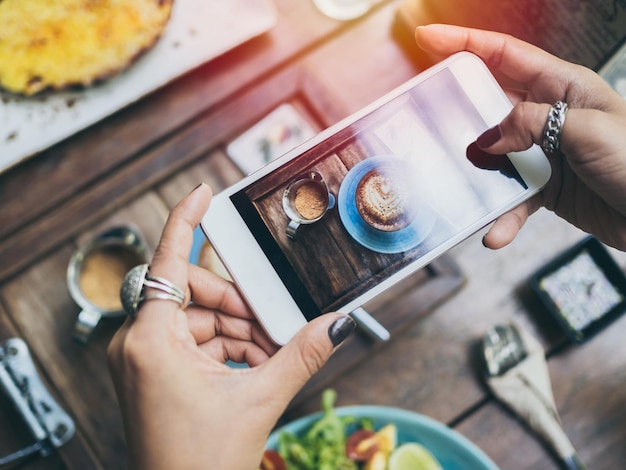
x=343 y=9
x=305 y=201
x=95 y=274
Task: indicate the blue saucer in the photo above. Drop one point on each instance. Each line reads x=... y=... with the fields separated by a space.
x=399 y=241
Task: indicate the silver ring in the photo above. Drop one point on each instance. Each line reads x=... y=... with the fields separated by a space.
x=554 y=126
x=163 y=285
x=136 y=280
x=161 y=296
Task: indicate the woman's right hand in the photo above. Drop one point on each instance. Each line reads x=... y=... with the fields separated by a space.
x=588 y=183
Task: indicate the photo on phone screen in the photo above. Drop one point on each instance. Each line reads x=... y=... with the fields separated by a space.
x=379 y=195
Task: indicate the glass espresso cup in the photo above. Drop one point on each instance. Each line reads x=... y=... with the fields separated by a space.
x=343 y=9
x=305 y=201
x=95 y=274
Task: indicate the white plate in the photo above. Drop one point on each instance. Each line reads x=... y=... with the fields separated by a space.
x=198 y=31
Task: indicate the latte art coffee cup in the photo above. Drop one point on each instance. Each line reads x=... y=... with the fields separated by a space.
x=383 y=199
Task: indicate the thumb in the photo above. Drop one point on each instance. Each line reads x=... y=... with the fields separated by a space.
x=294 y=364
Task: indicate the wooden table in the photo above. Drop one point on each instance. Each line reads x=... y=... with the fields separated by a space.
x=135 y=165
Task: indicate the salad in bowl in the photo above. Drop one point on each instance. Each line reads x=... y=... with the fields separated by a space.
x=369 y=438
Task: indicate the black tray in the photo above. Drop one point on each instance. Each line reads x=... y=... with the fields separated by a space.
x=583 y=288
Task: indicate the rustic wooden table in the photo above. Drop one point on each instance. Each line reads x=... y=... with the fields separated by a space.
x=133 y=166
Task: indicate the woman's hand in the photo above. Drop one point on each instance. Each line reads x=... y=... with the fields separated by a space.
x=182 y=406
x=588 y=183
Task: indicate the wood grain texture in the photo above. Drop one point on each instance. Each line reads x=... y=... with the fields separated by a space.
x=136 y=165
x=434 y=366
x=74 y=375
x=93 y=152
x=397 y=309
x=14 y=432
x=79 y=373
x=149 y=168
x=69 y=175
x=584 y=33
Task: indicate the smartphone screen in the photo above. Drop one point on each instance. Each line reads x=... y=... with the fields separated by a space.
x=396 y=184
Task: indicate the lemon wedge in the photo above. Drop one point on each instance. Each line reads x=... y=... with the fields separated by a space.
x=387 y=439
x=413 y=456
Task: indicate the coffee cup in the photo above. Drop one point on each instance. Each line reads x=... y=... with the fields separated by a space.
x=95 y=274
x=305 y=201
x=385 y=200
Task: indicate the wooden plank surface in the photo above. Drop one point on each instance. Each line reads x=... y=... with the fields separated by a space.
x=94 y=152
x=78 y=373
x=102 y=150
x=434 y=366
x=45 y=322
x=590 y=401
x=14 y=432
x=147 y=169
x=136 y=165
x=581 y=32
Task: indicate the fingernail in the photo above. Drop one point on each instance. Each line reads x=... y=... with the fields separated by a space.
x=341 y=329
x=197 y=187
x=479 y=157
x=489 y=137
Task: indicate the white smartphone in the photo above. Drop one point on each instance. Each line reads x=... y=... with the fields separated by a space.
x=370 y=200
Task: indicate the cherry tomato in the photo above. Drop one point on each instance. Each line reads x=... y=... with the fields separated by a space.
x=272 y=461
x=361 y=445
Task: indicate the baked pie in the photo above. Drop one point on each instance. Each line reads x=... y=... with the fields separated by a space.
x=67 y=43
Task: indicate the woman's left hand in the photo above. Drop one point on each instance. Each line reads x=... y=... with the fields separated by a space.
x=182 y=406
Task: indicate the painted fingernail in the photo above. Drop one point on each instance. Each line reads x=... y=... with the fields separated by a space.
x=341 y=329
x=489 y=137
x=479 y=157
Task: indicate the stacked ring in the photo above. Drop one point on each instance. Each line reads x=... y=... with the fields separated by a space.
x=137 y=279
x=553 y=128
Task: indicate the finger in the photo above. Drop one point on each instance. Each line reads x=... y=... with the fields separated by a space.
x=222 y=349
x=519 y=130
x=513 y=57
x=507 y=226
x=523 y=127
x=171 y=259
x=305 y=354
x=115 y=350
x=206 y=324
x=584 y=136
x=212 y=291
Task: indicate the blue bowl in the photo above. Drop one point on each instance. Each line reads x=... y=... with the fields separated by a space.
x=452 y=450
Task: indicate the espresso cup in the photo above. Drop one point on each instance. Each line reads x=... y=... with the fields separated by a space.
x=305 y=201
x=343 y=9
x=95 y=274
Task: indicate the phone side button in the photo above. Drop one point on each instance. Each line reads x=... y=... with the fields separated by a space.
x=369 y=325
